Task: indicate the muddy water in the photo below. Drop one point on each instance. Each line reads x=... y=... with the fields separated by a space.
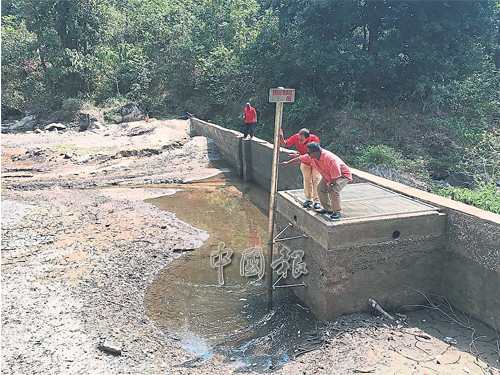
x=187 y=298
x=233 y=319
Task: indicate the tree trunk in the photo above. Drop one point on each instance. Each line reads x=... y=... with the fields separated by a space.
x=497 y=60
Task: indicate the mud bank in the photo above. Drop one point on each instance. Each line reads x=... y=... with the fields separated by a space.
x=77 y=262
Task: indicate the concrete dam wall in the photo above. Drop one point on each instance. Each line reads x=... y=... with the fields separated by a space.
x=393 y=244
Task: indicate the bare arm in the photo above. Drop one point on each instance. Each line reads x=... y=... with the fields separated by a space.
x=291 y=161
x=282 y=139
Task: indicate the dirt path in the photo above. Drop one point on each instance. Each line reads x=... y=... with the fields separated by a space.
x=77 y=261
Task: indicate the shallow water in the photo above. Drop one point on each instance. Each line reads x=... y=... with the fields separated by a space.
x=233 y=319
x=186 y=297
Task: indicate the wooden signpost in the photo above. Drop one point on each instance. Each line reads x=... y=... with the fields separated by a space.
x=279 y=96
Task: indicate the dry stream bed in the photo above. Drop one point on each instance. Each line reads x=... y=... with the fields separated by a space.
x=99 y=275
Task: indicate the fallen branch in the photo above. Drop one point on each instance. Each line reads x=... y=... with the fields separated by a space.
x=358 y=371
x=377 y=307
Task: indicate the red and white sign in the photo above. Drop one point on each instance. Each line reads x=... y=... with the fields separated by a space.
x=281 y=95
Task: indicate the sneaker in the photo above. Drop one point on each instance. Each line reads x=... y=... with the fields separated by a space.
x=317 y=206
x=335 y=216
x=307 y=204
x=322 y=211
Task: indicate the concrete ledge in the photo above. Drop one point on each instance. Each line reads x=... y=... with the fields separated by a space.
x=435 y=200
x=470 y=270
x=465 y=268
x=252 y=157
x=341 y=279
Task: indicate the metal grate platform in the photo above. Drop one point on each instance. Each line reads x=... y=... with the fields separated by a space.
x=366 y=200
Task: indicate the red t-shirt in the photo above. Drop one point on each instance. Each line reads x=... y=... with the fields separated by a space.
x=329 y=165
x=250 y=114
x=302 y=149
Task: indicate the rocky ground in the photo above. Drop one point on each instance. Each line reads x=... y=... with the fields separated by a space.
x=78 y=255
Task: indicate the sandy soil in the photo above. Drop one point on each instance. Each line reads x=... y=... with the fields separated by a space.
x=78 y=255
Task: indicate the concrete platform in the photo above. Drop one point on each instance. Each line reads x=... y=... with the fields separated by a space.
x=370 y=214
x=365 y=200
x=385 y=247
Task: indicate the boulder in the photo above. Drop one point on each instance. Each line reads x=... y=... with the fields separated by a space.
x=131 y=112
x=26 y=123
x=55 y=126
x=461 y=179
x=438 y=171
x=88 y=120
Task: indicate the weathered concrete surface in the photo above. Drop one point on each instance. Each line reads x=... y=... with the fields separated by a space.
x=472 y=245
x=228 y=141
x=363 y=225
x=256 y=158
x=351 y=260
x=470 y=269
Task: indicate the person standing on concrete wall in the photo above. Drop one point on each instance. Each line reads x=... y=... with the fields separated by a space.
x=310 y=175
x=335 y=176
x=250 y=115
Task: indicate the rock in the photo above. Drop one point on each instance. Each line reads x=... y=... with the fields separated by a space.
x=110 y=350
x=131 y=112
x=55 y=126
x=461 y=179
x=437 y=171
x=37 y=131
x=26 y=123
x=88 y=120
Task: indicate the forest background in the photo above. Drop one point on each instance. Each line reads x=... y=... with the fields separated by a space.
x=409 y=90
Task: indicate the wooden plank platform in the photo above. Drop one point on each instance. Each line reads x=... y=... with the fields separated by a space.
x=366 y=200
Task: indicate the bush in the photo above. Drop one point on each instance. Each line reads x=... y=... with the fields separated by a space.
x=486 y=196
x=380 y=155
x=70 y=108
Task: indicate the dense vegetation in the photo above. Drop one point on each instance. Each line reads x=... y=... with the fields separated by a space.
x=401 y=88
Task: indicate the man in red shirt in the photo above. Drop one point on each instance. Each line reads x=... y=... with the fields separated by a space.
x=335 y=176
x=310 y=175
x=250 y=119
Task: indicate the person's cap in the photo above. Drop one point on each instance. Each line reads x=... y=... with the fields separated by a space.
x=248 y=103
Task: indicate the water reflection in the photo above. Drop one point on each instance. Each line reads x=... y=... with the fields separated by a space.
x=232 y=318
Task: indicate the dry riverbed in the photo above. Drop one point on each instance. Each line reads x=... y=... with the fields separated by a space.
x=80 y=248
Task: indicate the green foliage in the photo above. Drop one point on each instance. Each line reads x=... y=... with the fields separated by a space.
x=380 y=155
x=486 y=196
x=304 y=109
x=20 y=84
x=162 y=52
x=70 y=108
x=466 y=106
x=482 y=158
x=346 y=59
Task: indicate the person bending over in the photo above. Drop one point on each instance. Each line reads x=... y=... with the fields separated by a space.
x=335 y=176
x=310 y=175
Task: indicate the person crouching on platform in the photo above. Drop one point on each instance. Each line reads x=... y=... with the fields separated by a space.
x=310 y=175
x=335 y=176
